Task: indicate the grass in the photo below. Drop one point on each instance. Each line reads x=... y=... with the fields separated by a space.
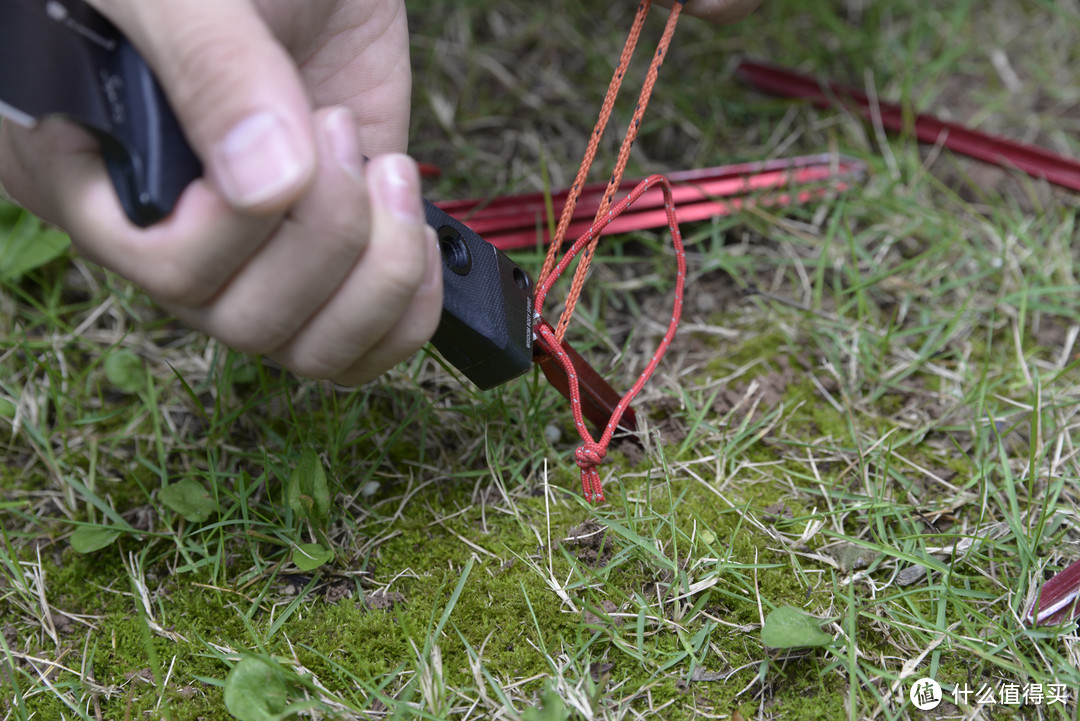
x=871 y=415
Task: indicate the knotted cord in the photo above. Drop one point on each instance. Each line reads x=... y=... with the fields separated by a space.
x=592 y=451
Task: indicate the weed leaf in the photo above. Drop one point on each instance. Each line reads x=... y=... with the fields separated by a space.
x=552 y=708
x=788 y=627
x=87 y=539
x=309 y=556
x=309 y=496
x=22 y=252
x=125 y=371
x=255 y=690
x=190 y=499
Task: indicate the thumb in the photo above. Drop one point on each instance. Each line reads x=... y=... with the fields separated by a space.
x=234 y=88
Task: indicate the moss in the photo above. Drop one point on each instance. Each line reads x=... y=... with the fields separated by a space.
x=755 y=349
x=496 y=612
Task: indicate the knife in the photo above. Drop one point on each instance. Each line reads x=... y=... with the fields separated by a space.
x=63 y=57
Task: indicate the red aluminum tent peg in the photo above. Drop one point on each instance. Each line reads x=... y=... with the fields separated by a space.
x=519 y=221
x=1035 y=161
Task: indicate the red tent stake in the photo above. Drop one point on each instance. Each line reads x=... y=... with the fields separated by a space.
x=520 y=221
x=1035 y=161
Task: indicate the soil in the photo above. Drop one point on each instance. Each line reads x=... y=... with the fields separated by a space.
x=587 y=540
x=384 y=600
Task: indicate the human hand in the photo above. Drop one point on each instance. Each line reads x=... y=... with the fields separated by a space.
x=723 y=12
x=291 y=245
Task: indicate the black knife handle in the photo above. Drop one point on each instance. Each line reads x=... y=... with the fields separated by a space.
x=487 y=317
x=148 y=158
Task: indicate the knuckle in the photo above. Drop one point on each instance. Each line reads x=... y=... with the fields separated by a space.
x=425 y=326
x=358 y=376
x=176 y=283
x=414 y=329
x=336 y=215
x=318 y=366
x=248 y=333
x=202 y=51
x=243 y=341
x=340 y=230
x=400 y=277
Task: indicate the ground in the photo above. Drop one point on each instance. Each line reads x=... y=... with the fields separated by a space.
x=870 y=415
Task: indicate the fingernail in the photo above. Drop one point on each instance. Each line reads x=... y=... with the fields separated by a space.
x=340 y=130
x=258 y=160
x=398 y=188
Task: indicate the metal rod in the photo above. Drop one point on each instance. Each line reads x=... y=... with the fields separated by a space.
x=1035 y=161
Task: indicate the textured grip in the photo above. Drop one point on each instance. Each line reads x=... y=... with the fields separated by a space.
x=486 y=326
x=148 y=158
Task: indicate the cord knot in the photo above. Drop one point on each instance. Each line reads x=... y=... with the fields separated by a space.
x=589 y=455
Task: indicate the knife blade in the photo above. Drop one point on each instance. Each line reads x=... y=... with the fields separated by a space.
x=61 y=57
